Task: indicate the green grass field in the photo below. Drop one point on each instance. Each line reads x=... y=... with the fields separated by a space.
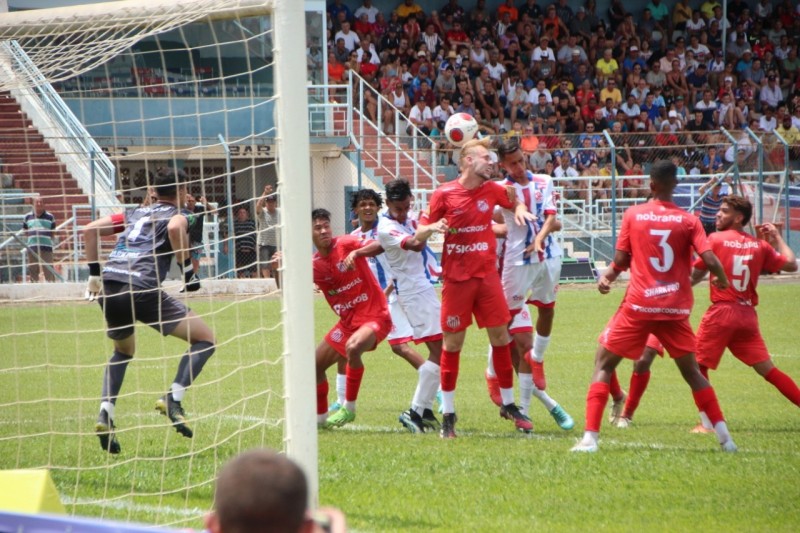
x=655 y=476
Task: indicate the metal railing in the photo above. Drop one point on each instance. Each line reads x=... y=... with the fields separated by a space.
x=73 y=132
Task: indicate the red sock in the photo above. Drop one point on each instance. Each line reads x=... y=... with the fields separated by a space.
x=322 y=398
x=449 y=369
x=596 y=401
x=635 y=392
x=704 y=371
x=615 y=389
x=785 y=384
x=501 y=359
x=706 y=400
x=353 y=378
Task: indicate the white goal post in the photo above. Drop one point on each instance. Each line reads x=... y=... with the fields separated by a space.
x=68 y=43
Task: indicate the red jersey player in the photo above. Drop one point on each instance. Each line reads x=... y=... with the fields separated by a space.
x=462 y=210
x=743 y=258
x=656 y=241
x=343 y=275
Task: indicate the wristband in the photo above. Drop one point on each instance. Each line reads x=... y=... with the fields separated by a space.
x=615 y=268
x=94 y=269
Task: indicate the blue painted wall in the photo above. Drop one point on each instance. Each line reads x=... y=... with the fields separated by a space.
x=133 y=119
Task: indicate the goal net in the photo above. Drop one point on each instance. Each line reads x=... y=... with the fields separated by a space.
x=94 y=100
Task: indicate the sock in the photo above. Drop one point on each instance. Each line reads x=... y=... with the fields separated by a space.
x=614 y=388
x=322 y=399
x=501 y=357
x=341 y=388
x=507 y=395
x=638 y=386
x=784 y=384
x=705 y=421
x=177 y=390
x=192 y=363
x=525 y=391
x=596 y=401
x=490 y=367
x=108 y=407
x=354 y=376
x=429 y=373
x=448 y=401
x=540 y=344
x=706 y=401
x=449 y=371
x=113 y=377
x=545 y=398
x=590 y=436
x=350 y=405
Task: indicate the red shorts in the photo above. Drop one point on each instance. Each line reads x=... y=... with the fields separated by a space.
x=655 y=344
x=627 y=336
x=482 y=297
x=338 y=336
x=732 y=326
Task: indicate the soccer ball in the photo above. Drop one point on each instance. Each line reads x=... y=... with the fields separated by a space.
x=460 y=128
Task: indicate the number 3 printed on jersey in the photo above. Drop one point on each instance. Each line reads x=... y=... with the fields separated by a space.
x=663 y=265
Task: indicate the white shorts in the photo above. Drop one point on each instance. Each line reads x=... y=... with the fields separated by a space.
x=401 y=329
x=535 y=284
x=423 y=311
x=521 y=322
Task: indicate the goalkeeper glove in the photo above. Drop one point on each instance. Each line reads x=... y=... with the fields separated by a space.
x=95 y=285
x=191 y=282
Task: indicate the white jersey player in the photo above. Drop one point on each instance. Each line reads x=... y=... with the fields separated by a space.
x=530 y=267
x=416 y=296
x=366 y=204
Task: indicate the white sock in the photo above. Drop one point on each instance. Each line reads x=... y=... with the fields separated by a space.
x=448 y=401
x=350 y=406
x=545 y=398
x=590 y=436
x=341 y=388
x=490 y=365
x=722 y=432
x=705 y=421
x=178 y=391
x=507 y=395
x=108 y=407
x=540 y=344
x=321 y=419
x=525 y=391
x=429 y=377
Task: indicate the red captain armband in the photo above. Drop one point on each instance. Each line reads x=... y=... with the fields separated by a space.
x=616 y=269
x=118 y=222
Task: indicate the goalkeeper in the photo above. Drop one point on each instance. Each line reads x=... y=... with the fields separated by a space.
x=129 y=289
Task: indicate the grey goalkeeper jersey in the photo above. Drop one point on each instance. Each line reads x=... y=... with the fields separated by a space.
x=143 y=252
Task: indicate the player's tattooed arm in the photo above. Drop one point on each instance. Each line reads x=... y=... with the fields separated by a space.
x=371 y=249
x=426 y=231
x=711 y=261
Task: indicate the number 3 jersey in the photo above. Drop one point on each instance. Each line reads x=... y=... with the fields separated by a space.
x=143 y=252
x=743 y=258
x=660 y=237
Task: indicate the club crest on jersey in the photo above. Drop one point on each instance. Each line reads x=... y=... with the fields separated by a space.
x=341 y=266
x=453 y=322
x=538 y=196
x=337 y=335
x=483 y=206
x=525 y=314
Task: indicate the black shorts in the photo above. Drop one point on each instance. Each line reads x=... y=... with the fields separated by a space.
x=123 y=305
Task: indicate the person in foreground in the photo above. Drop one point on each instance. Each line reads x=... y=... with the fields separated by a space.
x=261 y=491
x=656 y=242
x=343 y=275
x=462 y=210
x=129 y=289
x=743 y=259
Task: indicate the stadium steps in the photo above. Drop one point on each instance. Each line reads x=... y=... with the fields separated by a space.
x=389 y=166
x=33 y=164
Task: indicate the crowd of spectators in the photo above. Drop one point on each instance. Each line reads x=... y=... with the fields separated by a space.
x=538 y=69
